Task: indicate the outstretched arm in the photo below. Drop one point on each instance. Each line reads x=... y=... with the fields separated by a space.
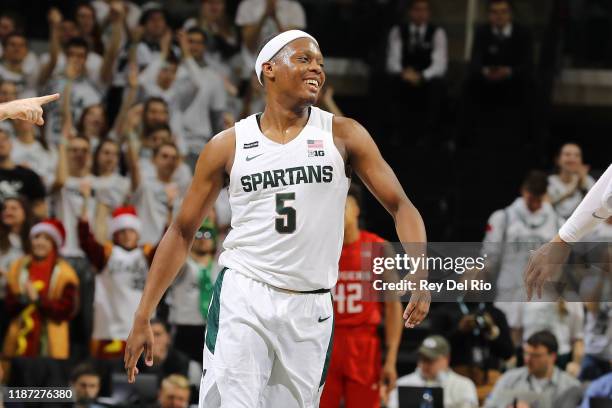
x=26 y=109
x=364 y=157
x=215 y=161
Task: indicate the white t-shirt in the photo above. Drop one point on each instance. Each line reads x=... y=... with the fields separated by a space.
x=38 y=159
x=151 y=201
x=598 y=332
x=533 y=317
x=25 y=81
x=210 y=96
x=458 y=391
x=93 y=65
x=557 y=189
x=84 y=93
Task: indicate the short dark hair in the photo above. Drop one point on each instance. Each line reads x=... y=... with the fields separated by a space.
x=152 y=100
x=156 y=128
x=544 y=338
x=157 y=320
x=536 y=183
x=356 y=191
x=164 y=144
x=14 y=34
x=83 y=369
x=491 y=3
x=197 y=30
x=77 y=42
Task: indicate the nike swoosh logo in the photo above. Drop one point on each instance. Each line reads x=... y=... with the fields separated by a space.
x=322 y=320
x=598 y=217
x=253 y=157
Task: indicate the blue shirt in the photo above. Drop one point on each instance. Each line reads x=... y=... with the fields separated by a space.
x=600 y=388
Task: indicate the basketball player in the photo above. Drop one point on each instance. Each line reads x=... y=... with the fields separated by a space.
x=28 y=109
x=355 y=374
x=269 y=327
x=550 y=257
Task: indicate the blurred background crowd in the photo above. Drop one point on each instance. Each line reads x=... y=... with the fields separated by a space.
x=473 y=103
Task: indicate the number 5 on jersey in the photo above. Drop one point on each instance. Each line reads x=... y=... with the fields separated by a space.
x=285 y=222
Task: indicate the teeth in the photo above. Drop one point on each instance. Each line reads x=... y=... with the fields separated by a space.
x=312 y=82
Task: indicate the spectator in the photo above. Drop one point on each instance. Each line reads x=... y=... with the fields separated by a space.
x=8 y=93
x=16 y=219
x=156 y=197
x=569 y=185
x=597 y=341
x=14 y=65
x=528 y=222
x=42 y=297
x=601 y=388
x=417 y=58
x=433 y=371
x=122 y=268
x=174 y=392
x=222 y=37
x=261 y=19
x=104 y=7
x=540 y=380
x=85 y=383
x=203 y=116
x=481 y=332
x=73 y=83
x=564 y=319
x=167 y=359
x=17 y=180
x=89 y=30
x=32 y=151
x=193 y=286
x=97 y=68
x=92 y=124
x=155 y=23
x=502 y=59
x=12 y=23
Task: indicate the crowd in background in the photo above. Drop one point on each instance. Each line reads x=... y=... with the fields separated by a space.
x=87 y=197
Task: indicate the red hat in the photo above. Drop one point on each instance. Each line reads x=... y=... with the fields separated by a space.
x=51 y=227
x=124 y=218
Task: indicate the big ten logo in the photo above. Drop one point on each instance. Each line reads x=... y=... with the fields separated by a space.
x=316 y=153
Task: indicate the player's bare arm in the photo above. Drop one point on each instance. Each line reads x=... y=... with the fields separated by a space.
x=29 y=109
x=215 y=161
x=359 y=150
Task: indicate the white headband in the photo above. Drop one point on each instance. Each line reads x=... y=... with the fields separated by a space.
x=277 y=43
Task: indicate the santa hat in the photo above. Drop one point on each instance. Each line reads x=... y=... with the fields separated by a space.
x=124 y=218
x=51 y=227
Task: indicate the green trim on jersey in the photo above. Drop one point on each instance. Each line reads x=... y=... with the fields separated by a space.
x=330 y=346
x=212 y=320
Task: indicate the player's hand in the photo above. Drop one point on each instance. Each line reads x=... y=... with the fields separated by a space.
x=139 y=340
x=388 y=378
x=417 y=308
x=544 y=263
x=29 y=109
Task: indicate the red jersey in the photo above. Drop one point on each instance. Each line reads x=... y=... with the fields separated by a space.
x=353 y=281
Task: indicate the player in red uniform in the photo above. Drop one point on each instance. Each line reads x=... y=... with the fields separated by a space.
x=355 y=373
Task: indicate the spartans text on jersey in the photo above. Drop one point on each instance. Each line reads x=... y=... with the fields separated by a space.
x=287 y=177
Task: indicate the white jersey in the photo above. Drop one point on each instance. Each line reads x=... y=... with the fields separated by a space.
x=118 y=290
x=287 y=203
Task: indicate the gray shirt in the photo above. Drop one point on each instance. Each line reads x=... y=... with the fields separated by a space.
x=560 y=390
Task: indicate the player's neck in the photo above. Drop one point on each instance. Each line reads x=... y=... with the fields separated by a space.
x=282 y=123
x=351 y=235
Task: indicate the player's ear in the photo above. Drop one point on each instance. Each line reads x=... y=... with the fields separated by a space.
x=266 y=70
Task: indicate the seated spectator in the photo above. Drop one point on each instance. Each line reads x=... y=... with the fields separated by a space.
x=191 y=292
x=597 y=341
x=261 y=19
x=174 y=392
x=502 y=59
x=122 y=268
x=433 y=371
x=540 y=380
x=600 y=388
x=417 y=58
x=481 y=332
x=564 y=319
x=156 y=197
x=167 y=359
x=33 y=152
x=16 y=180
x=16 y=219
x=14 y=65
x=72 y=83
x=527 y=223
x=85 y=383
x=570 y=183
x=42 y=297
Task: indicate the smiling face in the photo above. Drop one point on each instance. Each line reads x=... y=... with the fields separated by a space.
x=296 y=72
x=570 y=158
